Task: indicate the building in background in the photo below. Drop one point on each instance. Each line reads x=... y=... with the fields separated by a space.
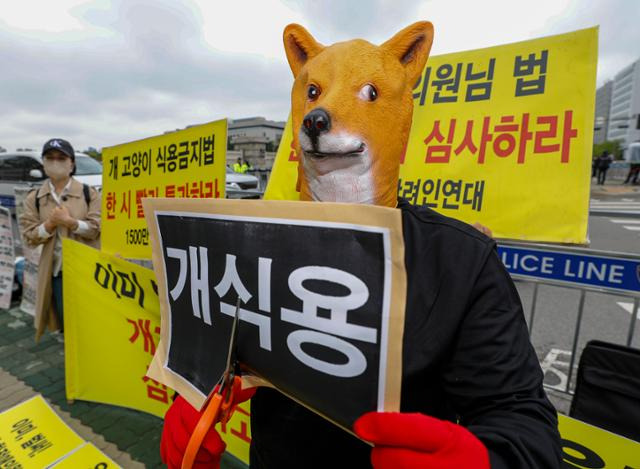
x=624 y=112
x=603 y=106
x=271 y=131
x=256 y=138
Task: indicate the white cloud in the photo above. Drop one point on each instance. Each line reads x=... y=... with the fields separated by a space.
x=101 y=72
x=42 y=16
x=246 y=27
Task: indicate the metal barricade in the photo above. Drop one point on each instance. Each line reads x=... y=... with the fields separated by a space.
x=606 y=272
x=618 y=170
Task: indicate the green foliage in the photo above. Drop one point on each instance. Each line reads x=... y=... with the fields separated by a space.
x=93 y=153
x=610 y=146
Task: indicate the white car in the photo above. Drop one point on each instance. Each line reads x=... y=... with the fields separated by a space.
x=240 y=182
x=24 y=168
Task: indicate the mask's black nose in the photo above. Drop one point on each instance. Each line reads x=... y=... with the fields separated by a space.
x=316 y=123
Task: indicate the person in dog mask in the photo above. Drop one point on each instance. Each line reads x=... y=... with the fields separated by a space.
x=62 y=207
x=472 y=394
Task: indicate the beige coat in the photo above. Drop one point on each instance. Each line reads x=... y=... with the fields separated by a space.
x=29 y=223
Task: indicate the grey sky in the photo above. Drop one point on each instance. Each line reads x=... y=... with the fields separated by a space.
x=102 y=72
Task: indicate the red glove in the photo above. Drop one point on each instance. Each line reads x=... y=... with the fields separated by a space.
x=417 y=440
x=179 y=423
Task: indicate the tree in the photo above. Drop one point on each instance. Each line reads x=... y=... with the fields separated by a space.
x=613 y=147
x=93 y=153
x=3 y=149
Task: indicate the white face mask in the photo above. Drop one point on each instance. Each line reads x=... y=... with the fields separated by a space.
x=57 y=170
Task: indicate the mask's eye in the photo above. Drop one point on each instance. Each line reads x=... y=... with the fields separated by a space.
x=313 y=92
x=368 y=93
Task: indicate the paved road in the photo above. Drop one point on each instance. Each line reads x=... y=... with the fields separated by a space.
x=605 y=317
x=619 y=232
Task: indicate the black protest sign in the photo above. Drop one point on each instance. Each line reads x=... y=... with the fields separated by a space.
x=316 y=316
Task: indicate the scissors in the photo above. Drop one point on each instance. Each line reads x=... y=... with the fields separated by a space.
x=219 y=404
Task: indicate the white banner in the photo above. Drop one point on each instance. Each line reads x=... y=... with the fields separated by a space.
x=7 y=256
x=31 y=260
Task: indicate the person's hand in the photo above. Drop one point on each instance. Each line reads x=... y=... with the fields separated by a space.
x=407 y=441
x=483 y=229
x=179 y=423
x=61 y=216
x=50 y=225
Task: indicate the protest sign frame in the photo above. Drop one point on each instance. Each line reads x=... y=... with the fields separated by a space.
x=356 y=215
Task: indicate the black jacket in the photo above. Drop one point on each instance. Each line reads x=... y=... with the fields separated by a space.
x=466 y=357
x=604 y=161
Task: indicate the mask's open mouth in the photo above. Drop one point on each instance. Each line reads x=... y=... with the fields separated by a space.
x=318 y=155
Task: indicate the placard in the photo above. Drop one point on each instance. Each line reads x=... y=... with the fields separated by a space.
x=322 y=290
x=188 y=163
x=7 y=258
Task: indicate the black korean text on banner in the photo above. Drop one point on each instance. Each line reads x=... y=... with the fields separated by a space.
x=314 y=301
x=489 y=125
x=188 y=163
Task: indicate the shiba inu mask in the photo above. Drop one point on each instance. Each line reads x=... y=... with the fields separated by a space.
x=351 y=107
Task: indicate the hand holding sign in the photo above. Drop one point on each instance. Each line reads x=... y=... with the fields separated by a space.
x=179 y=423
x=417 y=440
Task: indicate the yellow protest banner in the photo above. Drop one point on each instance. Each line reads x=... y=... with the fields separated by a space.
x=284 y=174
x=586 y=446
x=501 y=135
x=32 y=435
x=87 y=456
x=186 y=163
x=112 y=329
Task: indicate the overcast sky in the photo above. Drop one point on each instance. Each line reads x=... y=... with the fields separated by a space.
x=102 y=72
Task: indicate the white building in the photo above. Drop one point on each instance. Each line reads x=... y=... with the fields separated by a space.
x=256 y=127
x=603 y=106
x=624 y=114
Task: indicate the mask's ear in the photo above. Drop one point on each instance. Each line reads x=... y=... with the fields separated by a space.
x=300 y=46
x=411 y=46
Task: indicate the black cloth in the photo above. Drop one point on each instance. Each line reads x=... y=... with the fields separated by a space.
x=604 y=161
x=608 y=388
x=466 y=357
x=602 y=175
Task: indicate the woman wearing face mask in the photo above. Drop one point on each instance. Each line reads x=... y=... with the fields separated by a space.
x=61 y=208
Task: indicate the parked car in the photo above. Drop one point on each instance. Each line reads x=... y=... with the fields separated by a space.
x=24 y=168
x=238 y=182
